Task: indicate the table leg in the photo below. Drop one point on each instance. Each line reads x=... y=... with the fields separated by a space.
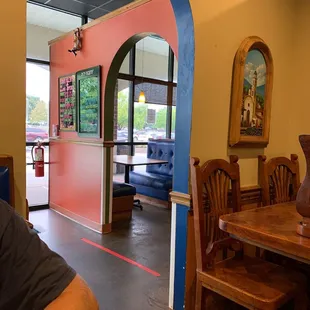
x=136 y=202
x=127 y=168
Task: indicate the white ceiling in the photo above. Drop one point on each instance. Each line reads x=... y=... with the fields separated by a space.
x=41 y=16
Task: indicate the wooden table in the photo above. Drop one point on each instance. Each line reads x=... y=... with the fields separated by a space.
x=272 y=228
x=131 y=161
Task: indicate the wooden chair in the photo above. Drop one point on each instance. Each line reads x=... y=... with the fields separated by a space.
x=250 y=282
x=279 y=179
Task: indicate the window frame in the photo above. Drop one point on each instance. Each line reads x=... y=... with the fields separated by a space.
x=84 y=20
x=133 y=78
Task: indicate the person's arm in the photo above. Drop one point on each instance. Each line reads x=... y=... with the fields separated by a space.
x=77 y=296
x=31 y=275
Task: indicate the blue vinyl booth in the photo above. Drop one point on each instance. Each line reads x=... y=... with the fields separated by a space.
x=156 y=181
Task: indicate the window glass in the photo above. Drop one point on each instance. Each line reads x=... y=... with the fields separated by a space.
x=121 y=119
x=37 y=120
x=37 y=102
x=150 y=121
x=37 y=188
x=119 y=170
x=175 y=70
x=174 y=96
x=154 y=93
x=125 y=65
x=173 y=118
x=152 y=58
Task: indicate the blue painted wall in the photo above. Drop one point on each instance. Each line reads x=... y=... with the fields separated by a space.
x=186 y=59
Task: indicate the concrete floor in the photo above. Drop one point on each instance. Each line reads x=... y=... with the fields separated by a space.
x=117 y=284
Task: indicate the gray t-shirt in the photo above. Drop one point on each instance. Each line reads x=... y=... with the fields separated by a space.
x=31 y=275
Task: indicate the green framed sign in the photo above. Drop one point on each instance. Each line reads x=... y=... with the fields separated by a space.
x=89 y=102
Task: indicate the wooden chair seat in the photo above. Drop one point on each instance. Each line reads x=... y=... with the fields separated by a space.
x=263 y=285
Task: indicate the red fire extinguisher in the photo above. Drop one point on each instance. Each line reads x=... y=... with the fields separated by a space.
x=38 y=159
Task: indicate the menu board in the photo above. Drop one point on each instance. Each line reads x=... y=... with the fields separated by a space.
x=67 y=102
x=89 y=103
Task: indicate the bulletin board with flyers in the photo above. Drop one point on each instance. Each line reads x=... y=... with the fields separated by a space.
x=67 y=103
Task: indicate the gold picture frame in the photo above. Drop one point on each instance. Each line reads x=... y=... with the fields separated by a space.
x=251 y=94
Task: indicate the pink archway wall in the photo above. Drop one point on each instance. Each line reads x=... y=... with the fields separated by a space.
x=76 y=169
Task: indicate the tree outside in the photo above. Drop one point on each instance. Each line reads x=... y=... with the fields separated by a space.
x=140 y=114
x=161 y=119
x=39 y=113
x=173 y=118
x=122 y=111
x=32 y=102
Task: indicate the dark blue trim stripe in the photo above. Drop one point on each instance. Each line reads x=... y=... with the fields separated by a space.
x=186 y=58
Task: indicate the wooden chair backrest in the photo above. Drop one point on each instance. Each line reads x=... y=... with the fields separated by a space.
x=211 y=184
x=7 y=162
x=279 y=179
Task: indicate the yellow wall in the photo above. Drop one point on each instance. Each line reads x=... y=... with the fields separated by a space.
x=13 y=92
x=300 y=99
x=220 y=27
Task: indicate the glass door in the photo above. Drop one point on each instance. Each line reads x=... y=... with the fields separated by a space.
x=37 y=129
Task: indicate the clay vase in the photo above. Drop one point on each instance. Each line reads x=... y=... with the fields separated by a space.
x=303 y=195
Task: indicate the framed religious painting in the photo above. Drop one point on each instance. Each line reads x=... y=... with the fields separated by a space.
x=89 y=102
x=251 y=94
x=67 y=103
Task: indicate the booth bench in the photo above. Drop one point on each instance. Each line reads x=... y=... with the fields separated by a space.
x=156 y=181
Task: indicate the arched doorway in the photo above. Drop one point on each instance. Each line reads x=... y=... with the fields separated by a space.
x=183 y=129
x=151 y=67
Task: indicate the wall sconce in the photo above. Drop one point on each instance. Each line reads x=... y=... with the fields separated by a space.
x=77 y=41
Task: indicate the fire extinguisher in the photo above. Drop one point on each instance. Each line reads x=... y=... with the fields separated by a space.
x=38 y=159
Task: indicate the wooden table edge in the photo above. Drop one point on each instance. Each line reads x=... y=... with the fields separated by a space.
x=225 y=226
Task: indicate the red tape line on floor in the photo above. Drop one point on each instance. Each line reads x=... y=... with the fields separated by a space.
x=126 y=259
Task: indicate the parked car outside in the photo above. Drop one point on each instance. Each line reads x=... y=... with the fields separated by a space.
x=122 y=136
x=34 y=134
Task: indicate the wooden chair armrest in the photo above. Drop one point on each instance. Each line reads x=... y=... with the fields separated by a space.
x=226 y=243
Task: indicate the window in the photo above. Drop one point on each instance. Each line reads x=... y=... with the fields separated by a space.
x=37 y=120
x=121 y=111
x=150 y=67
x=43 y=25
x=152 y=58
x=173 y=118
x=37 y=102
x=150 y=121
x=125 y=65
x=175 y=71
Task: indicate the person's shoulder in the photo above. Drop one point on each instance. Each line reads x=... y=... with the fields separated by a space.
x=6 y=212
